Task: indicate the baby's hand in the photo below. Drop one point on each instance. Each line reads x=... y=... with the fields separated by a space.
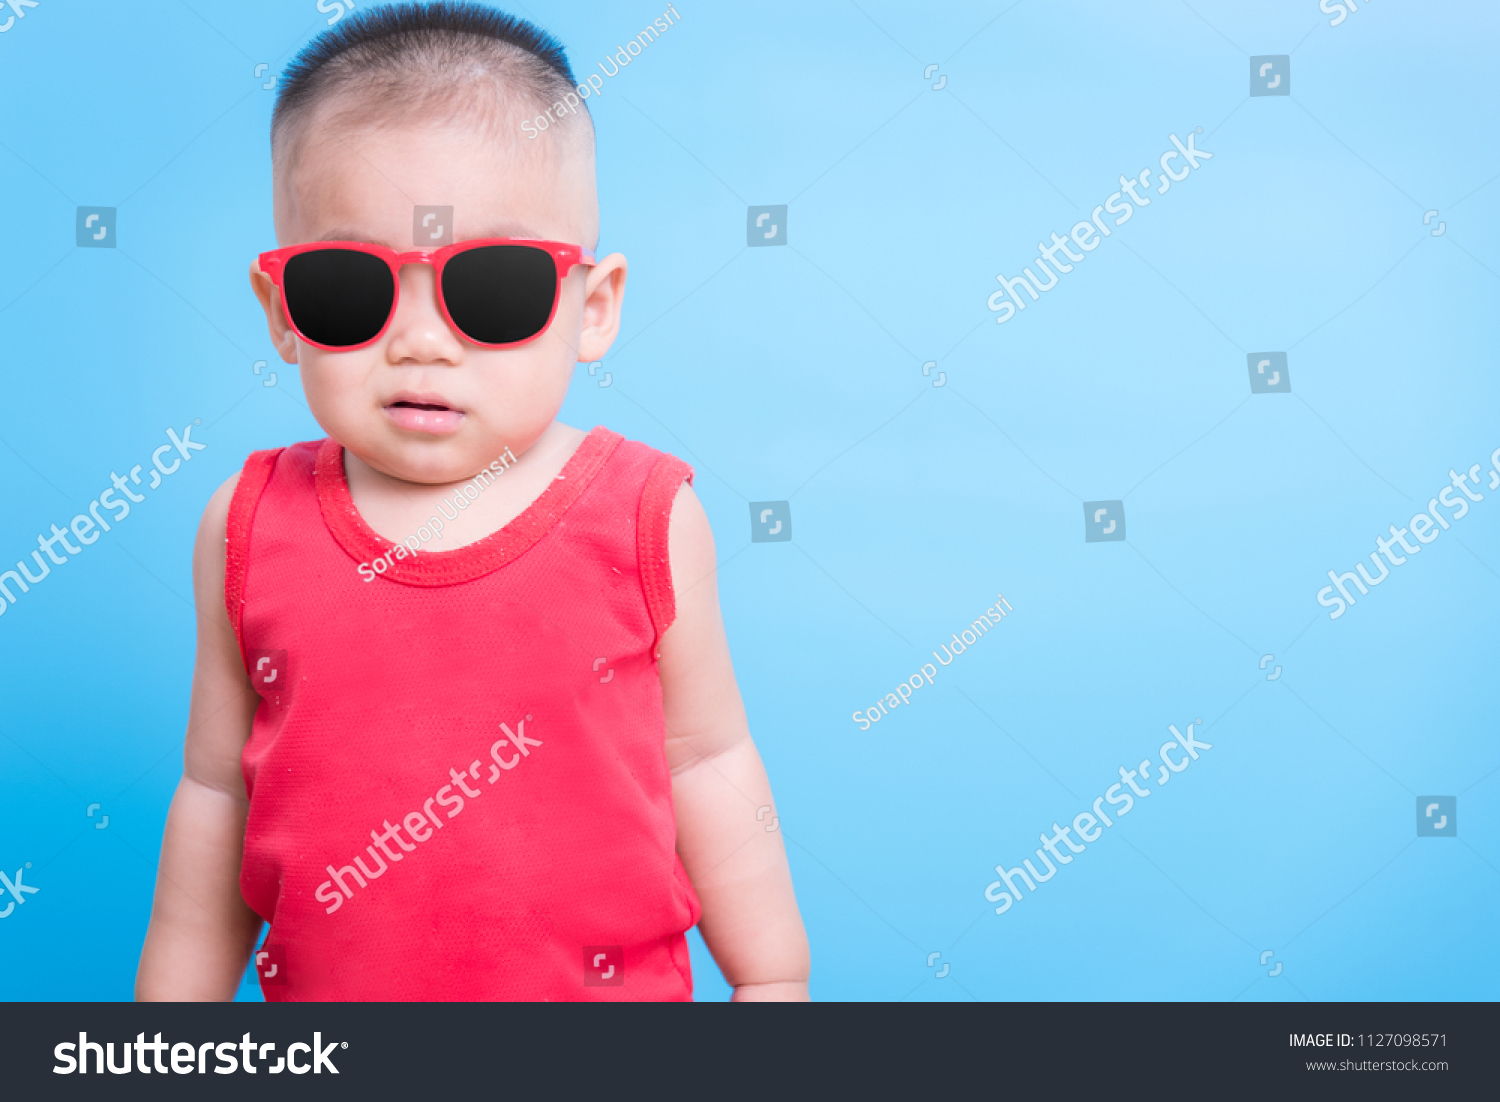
x=777 y=992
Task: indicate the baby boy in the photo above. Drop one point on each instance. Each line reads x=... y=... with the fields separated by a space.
x=463 y=723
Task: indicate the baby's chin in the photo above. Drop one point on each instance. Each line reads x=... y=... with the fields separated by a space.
x=423 y=456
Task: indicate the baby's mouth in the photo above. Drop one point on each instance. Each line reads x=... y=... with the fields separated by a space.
x=421 y=414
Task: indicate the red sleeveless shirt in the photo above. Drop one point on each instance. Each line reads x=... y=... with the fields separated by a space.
x=457 y=774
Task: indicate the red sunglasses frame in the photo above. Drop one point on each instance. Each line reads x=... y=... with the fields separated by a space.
x=566 y=258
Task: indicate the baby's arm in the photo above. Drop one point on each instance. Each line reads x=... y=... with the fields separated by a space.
x=738 y=867
x=201 y=931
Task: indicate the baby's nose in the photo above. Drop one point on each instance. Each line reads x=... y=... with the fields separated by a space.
x=419 y=330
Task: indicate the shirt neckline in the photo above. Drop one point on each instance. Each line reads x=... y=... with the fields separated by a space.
x=432 y=568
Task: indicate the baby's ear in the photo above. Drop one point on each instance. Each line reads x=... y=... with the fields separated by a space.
x=270 y=301
x=603 y=298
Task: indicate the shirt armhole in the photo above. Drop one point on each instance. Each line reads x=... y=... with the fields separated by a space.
x=652 y=529
x=247 y=492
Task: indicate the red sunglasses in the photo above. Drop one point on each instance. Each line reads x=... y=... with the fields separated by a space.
x=496 y=291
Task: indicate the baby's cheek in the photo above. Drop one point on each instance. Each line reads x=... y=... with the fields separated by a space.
x=338 y=390
x=530 y=392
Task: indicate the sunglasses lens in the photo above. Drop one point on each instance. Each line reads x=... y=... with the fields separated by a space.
x=500 y=294
x=338 y=297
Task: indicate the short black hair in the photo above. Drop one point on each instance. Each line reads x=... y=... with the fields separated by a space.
x=422 y=54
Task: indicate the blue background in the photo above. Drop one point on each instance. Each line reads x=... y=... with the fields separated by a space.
x=794 y=373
